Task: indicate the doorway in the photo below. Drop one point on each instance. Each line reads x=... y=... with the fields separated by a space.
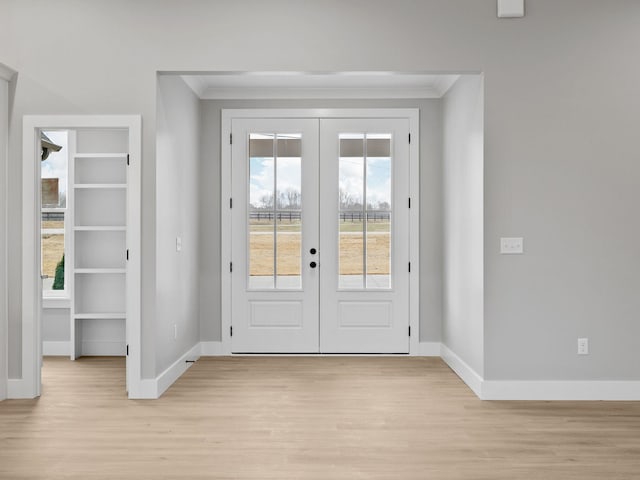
x=98 y=215
x=321 y=238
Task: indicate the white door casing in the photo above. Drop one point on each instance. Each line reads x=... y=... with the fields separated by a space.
x=29 y=385
x=363 y=334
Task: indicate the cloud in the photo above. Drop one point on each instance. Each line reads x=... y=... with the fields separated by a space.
x=261 y=177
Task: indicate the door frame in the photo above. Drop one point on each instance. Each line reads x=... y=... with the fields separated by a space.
x=411 y=114
x=29 y=385
x=6 y=75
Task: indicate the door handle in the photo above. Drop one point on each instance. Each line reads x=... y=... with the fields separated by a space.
x=313 y=264
x=313 y=251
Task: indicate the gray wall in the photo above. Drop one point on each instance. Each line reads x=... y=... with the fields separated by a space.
x=56 y=325
x=561 y=156
x=463 y=273
x=178 y=211
x=430 y=208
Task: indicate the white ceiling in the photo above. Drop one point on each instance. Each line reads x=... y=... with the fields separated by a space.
x=319 y=85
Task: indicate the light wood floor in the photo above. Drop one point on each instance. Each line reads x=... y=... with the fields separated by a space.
x=306 y=418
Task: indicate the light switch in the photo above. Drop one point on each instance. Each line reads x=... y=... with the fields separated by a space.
x=510 y=8
x=178 y=244
x=511 y=245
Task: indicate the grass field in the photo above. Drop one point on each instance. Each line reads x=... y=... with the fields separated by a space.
x=52 y=248
x=288 y=245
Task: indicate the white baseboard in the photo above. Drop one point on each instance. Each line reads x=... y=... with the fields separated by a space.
x=467 y=374
x=104 y=349
x=17 y=388
x=590 y=390
x=211 y=349
x=171 y=374
x=428 y=349
x=56 y=349
x=561 y=390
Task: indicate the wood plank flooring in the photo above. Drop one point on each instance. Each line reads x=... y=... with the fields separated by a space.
x=306 y=418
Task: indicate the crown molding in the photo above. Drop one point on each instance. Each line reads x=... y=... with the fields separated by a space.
x=217 y=93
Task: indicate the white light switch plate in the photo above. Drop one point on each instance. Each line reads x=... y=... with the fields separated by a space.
x=511 y=245
x=583 y=346
x=510 y=8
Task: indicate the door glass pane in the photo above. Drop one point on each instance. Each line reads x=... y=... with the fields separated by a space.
x=275 y=198
x=351 y=211
x=378 y=228
x=261 y=211
x=289 y=211
x=365 y=211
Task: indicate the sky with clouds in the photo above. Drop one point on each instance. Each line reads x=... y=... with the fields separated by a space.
x=351 y=173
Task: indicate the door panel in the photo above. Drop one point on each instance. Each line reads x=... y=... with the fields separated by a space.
x=364 y=225
x=275 y=304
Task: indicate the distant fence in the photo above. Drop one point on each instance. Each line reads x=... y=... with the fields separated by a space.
x=52 y=216
x=267 y=216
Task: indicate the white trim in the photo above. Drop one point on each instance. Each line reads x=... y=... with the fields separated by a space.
x=414 y=231
x=171 y=374
x=56 y=302
x=211 y=349
x=279 y=93
x=18 y=388
x=4 y=163
x=467 y=374
x=548 y=390
x=56 y=349
x=147 y=389
x=428 y=349
x=103 y=348
x=592 y=390
x=6 y=73
x=31 y=285
x=412 y=114
x=317 y=85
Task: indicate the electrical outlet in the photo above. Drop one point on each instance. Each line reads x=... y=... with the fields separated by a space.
x=175 y=331
x=583 y=346
x=511 y=245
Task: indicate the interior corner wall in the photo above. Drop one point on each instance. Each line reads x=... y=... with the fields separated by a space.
x=178 y=211
x=463 y=180
x=430 y=205
x=4 y=134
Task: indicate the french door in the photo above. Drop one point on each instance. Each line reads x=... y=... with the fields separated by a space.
x=320 y=235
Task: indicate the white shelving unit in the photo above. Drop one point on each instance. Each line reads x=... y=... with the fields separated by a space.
x=99 y=242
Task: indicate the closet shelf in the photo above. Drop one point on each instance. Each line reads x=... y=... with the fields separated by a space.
x=100 y=316
x=101 y=185
x=100 y=270
x=100 y=228
x=100 y=155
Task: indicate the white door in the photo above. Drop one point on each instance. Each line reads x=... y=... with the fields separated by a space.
x=320 y=236
x=364 y=224
x=275 y=279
